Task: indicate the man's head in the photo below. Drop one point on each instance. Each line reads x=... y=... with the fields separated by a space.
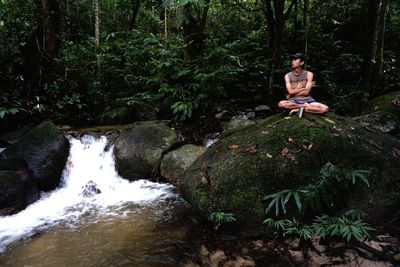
x=298 y=60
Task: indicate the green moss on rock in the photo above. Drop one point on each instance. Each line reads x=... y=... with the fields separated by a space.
x=249 y=163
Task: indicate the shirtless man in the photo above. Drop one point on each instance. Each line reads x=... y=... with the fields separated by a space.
x=299 y=83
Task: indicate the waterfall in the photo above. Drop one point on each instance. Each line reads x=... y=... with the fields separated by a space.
x=90 y=187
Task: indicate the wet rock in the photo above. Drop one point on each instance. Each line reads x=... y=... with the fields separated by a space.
x=248 y=163
x=90 y=189
x=45 y=150
x=138 y=150
x=15 y=136
x=176 y=162
x=381 y=121
x=17 y=188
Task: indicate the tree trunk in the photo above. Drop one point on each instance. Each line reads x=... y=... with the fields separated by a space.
x=166 y=23
x=276 y=17
x=51 y=28
x=135 y=11
x=97 y=21
x=373 y=59
x=193 y=31
x=305 y=26
x=43 y=47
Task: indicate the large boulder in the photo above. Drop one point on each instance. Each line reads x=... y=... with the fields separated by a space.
x=137 y=151
x=383 y=113
x=246 y=164
x=45 y=150
x=175 y=163
x=17 y=188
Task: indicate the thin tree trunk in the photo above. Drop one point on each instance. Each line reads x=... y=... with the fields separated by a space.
x=42 y=49
x=373 y=59
x=97 y=21
x=51 y=28
x=276 y=17
x=165 y=23
x=305 y=26
x=135 y=11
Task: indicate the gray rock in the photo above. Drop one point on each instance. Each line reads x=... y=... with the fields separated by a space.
x=237 y=122
x=17 y=188
x=176 y=162
x=379 y=120
x=138 y=150
x=45 y=150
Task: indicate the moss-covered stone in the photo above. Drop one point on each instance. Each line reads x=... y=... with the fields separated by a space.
x=246 y=164
x=387 y=103
x=45 y=150
x=138 y=150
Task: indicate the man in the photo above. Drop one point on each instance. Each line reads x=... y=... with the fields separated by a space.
x=299 y=83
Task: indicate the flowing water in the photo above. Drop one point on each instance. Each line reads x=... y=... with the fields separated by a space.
x=96 y=218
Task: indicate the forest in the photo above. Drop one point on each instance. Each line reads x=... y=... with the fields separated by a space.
x=67 y=61
x=183 y=70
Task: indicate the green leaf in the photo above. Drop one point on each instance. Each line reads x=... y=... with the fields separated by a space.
x=297 y=199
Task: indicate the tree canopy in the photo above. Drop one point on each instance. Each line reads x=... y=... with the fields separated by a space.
x=69 y=60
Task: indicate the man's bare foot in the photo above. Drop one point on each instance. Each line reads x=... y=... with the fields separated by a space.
x=293 y=111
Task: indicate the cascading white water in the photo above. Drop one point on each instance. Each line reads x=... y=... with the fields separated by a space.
x=90 y=187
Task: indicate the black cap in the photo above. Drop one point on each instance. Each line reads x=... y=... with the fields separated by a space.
x=299 y=55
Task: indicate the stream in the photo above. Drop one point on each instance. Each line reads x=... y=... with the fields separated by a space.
x=97 y=218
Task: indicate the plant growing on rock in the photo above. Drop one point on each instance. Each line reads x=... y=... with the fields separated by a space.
x=218 y=218
x=331 y=184
x=331 y=181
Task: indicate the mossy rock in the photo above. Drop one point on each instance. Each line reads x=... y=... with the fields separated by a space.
x=246 y=164
x=45 y=150
x=138 y=150
x=387 y=103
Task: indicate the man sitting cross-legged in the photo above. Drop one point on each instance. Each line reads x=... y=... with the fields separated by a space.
x=299 y=83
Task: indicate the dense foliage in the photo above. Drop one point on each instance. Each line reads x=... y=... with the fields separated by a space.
x=143 y=55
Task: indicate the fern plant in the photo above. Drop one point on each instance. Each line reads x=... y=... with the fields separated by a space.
x=218 y=218
x=344 y=227
x=331 y=180
x=330 y=183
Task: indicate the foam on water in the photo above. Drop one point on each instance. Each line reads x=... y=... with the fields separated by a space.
x=90 y=185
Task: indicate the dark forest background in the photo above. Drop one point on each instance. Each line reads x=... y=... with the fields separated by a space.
x=67 y=61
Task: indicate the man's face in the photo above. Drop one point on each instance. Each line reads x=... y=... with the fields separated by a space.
x=296 y=62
